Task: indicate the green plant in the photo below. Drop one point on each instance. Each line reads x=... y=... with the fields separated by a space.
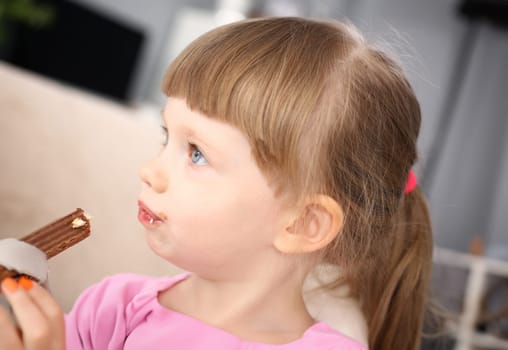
x=28 y=12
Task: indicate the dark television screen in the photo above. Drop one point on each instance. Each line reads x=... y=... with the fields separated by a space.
x=495 y=11
x=81 y=47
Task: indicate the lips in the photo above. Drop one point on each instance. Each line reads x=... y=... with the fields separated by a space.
x=147 y=217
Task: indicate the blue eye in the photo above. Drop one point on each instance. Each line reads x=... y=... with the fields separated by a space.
x=196 y=155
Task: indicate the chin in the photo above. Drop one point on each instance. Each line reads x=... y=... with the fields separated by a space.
x=163 y=249
x=156 y=245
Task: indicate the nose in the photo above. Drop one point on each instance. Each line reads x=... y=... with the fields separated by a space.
x=153 y=175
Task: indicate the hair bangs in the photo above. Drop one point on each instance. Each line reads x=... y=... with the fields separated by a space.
x=265 y=79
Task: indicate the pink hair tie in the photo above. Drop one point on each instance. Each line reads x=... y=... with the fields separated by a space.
x=411 y=182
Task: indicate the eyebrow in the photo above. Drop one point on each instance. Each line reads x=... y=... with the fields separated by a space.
x=191 y=133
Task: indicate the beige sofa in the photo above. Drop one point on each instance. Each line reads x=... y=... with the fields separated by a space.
x=63 y=148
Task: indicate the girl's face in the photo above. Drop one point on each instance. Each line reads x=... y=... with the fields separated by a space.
x=205 y=204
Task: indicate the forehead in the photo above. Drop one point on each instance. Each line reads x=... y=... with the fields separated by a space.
x=178 y=114
x=216 y=134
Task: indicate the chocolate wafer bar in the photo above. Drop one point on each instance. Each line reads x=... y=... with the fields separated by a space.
x=57 y=236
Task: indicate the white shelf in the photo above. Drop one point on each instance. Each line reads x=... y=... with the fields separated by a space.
x=489 y=341
x=478 y=268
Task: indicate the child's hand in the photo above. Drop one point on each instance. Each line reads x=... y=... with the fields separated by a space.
x=39 y=316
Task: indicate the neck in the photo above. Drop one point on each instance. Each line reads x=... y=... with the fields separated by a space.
x=252 y=305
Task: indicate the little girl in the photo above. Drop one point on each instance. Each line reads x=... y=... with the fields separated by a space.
x=290 y=144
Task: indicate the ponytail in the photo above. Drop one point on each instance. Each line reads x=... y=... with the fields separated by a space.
x=396 y=319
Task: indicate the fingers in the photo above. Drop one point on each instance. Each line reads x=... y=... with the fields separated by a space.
x=8 y=335
x=51 y=310
x=30 y=319
x=39 y=316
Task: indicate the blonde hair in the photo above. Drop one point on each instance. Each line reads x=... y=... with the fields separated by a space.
x=327 y=113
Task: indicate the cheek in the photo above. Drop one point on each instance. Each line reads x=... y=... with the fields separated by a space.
x=225 y=216
x=250 y=215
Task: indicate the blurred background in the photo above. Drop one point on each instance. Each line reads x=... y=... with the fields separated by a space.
x=455 y=53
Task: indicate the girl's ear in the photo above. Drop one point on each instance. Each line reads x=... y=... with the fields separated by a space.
x=313 y=228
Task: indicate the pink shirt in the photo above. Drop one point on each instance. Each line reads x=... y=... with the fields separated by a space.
x=122 y=312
